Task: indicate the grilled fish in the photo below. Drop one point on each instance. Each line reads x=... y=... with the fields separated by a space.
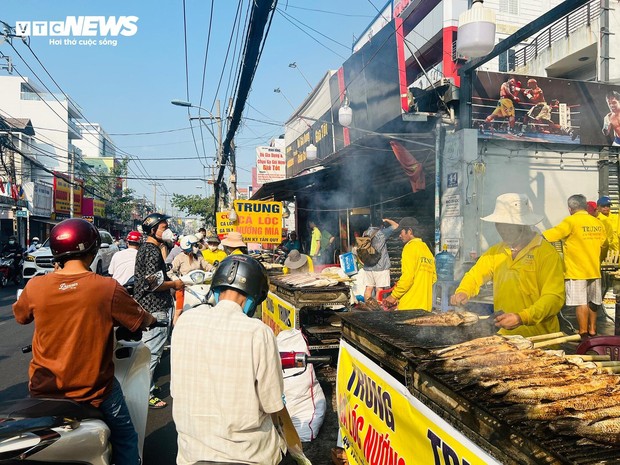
x=604 y=431
x=503 y=387
x=487 y=360
x=450 y=318
x=561 y=408
x=535 y=394
x=484 y=343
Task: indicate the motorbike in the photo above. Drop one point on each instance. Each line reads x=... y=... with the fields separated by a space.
x=42 y=430
x=8 y=269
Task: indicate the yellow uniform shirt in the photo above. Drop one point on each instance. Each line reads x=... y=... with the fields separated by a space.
x=315 y=241
x=531 y=285
x=237 y=252
x=612 y=237
x=583 y=236
x=213 y=255
x=414 y=289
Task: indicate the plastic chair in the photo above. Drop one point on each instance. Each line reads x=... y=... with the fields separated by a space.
x=602 y=345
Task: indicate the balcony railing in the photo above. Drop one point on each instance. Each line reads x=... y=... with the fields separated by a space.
x=559 y=30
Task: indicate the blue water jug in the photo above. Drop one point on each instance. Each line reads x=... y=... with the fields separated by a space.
x=444 y=263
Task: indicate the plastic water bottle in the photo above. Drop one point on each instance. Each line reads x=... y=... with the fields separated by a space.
x=444 y=263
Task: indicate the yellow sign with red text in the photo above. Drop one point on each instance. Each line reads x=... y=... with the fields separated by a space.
x=382 y=423
x=257 y=221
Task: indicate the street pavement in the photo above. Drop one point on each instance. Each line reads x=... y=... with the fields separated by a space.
x=160 y=445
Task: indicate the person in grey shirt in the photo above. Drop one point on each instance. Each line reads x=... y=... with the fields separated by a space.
x=378 y=276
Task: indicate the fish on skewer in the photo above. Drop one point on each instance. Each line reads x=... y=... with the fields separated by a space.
x=549 y=365
x=605 y=431
x=604 y=398
x=502 y=387
x=469 y=345
x=535 y=394
x=489 y=359
x=450 y=318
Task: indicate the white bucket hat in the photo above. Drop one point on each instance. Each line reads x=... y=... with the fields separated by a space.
x=513 y=209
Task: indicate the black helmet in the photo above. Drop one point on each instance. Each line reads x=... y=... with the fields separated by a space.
x=244 y=274
x=74 y=237
x=151 y=222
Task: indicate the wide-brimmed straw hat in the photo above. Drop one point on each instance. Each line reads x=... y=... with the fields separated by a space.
x=295 y=260
x=513 y=209
x=234 y=239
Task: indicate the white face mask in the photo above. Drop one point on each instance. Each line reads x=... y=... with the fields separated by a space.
x=213 y=248
x=167 y=236
x=11 y=242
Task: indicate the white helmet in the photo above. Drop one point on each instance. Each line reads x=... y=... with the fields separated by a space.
x=187 y=242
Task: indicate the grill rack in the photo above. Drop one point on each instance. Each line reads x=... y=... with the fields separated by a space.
x=528 y=442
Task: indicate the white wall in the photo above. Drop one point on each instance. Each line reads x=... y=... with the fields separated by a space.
x=488 y=170
x=49 y=119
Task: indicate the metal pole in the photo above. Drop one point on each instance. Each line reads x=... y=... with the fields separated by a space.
x=154 y=196
x=72 y=178
x=438 y=155
x=218 y=114
x=605 y=50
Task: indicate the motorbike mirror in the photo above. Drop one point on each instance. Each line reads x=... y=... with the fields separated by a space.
x=155 y=280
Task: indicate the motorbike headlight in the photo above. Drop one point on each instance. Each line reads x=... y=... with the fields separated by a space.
x=29 y=258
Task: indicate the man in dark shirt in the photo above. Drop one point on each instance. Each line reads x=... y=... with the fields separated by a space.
x=17 y=251
x=158 y=302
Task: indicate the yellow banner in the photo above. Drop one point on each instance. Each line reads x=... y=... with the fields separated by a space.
x=257 y=221
x=278 y=314
x=382 y=423
x=223 y=224
x=99 y=208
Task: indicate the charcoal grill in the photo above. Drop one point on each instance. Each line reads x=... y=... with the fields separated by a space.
x=395 y=348
x=309 y=309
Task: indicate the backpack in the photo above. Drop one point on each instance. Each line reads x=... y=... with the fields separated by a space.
x=367 y=254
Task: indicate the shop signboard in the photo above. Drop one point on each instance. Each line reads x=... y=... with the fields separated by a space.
x=382 y=422
x=223 y=225
x=270 y=165
x=257 y=221
x=320 y=133
x=93 y=207
x=62 y=196
x=525 y=108
x=40 y=198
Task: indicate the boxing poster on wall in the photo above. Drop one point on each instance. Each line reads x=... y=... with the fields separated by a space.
x=546 y=110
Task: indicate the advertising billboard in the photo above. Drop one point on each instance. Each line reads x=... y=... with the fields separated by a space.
x=319 y=133
x=62 y=196
x=546 y=110
x=270 y=164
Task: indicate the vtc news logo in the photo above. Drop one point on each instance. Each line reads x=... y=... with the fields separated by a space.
x=90 y=26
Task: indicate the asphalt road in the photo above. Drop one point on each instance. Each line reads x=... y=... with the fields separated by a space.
x=160 y=446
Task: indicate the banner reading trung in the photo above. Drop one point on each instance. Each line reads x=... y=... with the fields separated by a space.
x=382 y=423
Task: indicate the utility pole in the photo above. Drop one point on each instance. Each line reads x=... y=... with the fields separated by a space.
x=71 y=181
x=166 y=203
x=154 y=196
x=218 y=114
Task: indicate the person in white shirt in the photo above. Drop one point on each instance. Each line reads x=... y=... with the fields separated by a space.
x=226 y=375
x=123 y=263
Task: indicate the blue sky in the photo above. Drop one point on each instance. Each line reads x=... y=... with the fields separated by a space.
x=127 y=88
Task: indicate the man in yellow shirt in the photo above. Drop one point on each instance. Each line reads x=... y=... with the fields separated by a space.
x=527 y=275
x=585 y=245
x=315 y=241
x=414 y=289
x=212 y=253
x=610 y=221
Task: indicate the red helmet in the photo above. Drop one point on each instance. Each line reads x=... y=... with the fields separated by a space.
x=134 y=236
x=74 y=237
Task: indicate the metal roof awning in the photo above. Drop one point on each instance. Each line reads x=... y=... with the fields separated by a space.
x=286 y=189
